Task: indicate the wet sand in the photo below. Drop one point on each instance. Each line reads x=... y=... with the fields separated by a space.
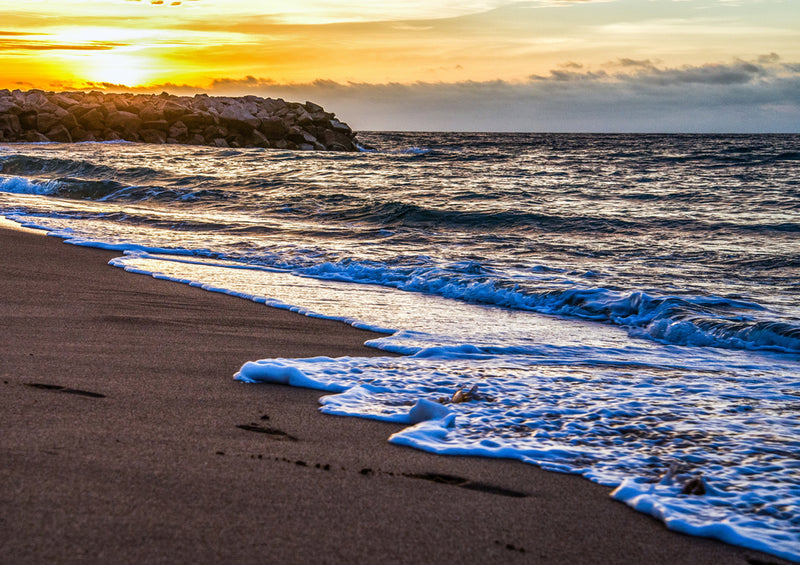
x=123 y=438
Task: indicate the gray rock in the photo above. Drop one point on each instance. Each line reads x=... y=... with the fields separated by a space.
x=237 y=116
x=79 y=134
x=27 y=119
x=35 y=137
x=45 y=121
x=197 y=120
x=259 y=139
x=340 y=127
x=9 y=125
x=150 y=135
x=122 y=121
x=68 y=121
x=59 y=134
x=302 y=117
x=273 y=128
x=160 y=125
x=173 y=110
x=9 y=107
x=149 y=113
x=248 y=121
x=93 y=119
x=63 y=100
x=179 y=132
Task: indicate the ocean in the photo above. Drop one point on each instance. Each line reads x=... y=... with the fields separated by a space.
x=626 y=305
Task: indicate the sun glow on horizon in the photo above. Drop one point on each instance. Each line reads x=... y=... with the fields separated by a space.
x=128 y=69
x=106 y=55
x=336 y=48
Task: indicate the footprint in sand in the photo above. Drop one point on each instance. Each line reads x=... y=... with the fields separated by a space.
x=59 y=388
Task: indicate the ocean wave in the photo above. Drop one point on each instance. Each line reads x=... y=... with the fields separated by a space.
x=65 y=187
x=21 y=185
x=28 y=165
x=677 y=320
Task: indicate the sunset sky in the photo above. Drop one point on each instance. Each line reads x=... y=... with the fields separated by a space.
x=537 y=65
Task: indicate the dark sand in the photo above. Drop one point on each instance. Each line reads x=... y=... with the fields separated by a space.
x=158 y=469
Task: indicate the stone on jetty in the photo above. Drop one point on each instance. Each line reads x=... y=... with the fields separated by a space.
x=248 y=121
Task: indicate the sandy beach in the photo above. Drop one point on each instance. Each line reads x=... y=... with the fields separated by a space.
x=124 y=438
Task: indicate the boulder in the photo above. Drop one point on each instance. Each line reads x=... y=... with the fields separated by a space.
x=214 y=132
x=149 y=113
x=63 y=101
x=337 y=141
x=79 y=134
x=9 y=125
x=248 y=121
x=273 y=128
x=80 y=109
x=9 y=107
x=119 y=120
x=239 y=118
x=93 y=119
x=27 y=119
x=259 y=139
x=35 y=98
x=124 y=105
x=198 y=120
x=68 y=121
x=302 y=117
x=172 y=111
x=338 y=126
x=153 y=136
x=45 y=121
x=179 y=132
x=160 y=125
x=32 y=136
x=59 y=134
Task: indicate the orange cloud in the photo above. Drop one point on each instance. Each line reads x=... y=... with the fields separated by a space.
x=477 y=40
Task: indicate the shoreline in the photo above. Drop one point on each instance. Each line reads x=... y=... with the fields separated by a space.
x=125 y=439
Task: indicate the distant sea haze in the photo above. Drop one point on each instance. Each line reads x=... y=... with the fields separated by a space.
x=626 y=304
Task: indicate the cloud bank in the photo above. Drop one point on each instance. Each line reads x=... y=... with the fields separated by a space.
x=626 y=95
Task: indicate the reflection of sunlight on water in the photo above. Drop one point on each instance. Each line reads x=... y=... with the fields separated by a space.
x=426 y=320
x=423 y=321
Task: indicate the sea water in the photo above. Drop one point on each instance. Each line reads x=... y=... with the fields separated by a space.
x=625 y=304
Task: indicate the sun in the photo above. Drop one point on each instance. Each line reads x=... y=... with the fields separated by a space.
x=118 y=68
x=107 y=55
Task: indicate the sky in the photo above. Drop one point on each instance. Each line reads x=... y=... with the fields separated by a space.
x=434 y=65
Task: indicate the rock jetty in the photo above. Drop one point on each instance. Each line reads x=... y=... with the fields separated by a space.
x=248 y=121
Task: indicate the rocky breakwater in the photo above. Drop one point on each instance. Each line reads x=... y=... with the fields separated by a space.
x=248 y=121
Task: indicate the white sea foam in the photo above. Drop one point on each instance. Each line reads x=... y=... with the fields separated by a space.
x=22 y=185
x=567 y=396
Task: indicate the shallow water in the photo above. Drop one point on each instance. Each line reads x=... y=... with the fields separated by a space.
x=622 y=302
